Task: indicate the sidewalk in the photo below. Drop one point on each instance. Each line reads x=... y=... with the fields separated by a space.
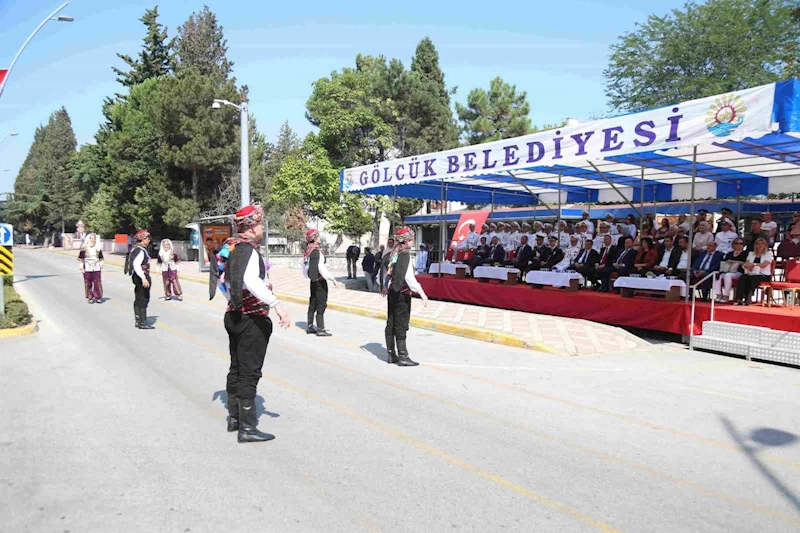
x=512 y=328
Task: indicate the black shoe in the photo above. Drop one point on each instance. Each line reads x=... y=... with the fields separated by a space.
x=137 y=318
x=143 y=319
x=248 y=420
x=391 y=355
x=404 y=359
x=233 y=412
x=310 y=330
x=324 y=333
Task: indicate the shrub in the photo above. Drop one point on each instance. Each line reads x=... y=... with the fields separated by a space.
x=17 y=312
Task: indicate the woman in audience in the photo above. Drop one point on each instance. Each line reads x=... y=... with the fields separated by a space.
x=664 y=231
x=730 y=269
x=646 y=258
x=757 y=269
x=702 y=238
x=630 y=226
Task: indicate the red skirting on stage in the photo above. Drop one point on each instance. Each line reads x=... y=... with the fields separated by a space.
x=608 y=308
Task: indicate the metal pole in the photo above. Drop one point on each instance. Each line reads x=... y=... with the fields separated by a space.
x=2 y=295
x=559 y=209
x=441 y=229
x=614 y=187
x=641 y=201
x=245 y=126
x=266 y=238
x=738 y=204
x=691 y=226
x=655 y=203
x=532 y=193
x=10 y=132
x=28 y=40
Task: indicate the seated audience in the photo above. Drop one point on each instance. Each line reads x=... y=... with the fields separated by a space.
x=608 y=253
x=482 y=254
x=630 y=226
x=541 y=253
x=664 y=231
x=646 y=258
x=730 y=269
x=706 y=262
x=683 y=224
x=570 y=254
x=702 y=237
x=555 y=253
x=622 y=265
x=684 y=259
x=725 y=236
x=587 y=260
x=757 y=269
x=497 y=253
x=668 y=257
x=727 y=214
x=756 y=232
x=524 y=259
x=770 y=226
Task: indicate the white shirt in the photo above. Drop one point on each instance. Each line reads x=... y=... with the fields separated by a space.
x=413 y=284
x=570 y=254
x=253 y=282
x=701 y=240
x=422 y=261
x=323 y=270
x=613 y=229
x=665 y=260
x=769 y=227
x=470 y=242
x=683 y=264
x=724 y=240
x=632 y=230
x=763 y=268
x=138 y=261
x=589 y=226
x=91 y=261
x=599 y=242
x=685 y=225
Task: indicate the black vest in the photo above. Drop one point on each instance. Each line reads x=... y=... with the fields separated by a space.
x=313 y=265
x=399 y=271
x=235 y=267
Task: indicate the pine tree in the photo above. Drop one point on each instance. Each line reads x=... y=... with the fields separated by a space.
x=153 y=59
x=426 y=63
x=200 y=45
x=499 y=113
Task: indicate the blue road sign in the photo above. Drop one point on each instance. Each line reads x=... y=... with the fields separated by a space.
x=6 y=235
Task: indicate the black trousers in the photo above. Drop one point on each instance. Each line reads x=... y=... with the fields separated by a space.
x=398 y=315
x=352 y=267
x=747 y=285
x=141 y=295
x=248 y=338
x=317 y=303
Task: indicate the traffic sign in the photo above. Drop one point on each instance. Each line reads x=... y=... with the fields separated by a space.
x=6 y=260
x=6 y=235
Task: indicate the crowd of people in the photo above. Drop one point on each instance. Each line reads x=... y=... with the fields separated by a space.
x=623 y=248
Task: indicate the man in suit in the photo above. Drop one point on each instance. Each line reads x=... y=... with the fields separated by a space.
x=368 y=266
x=555 y=253
x=756 y=232
x=482 y=254
x=608 y=253
x=622 y=264
x=524 y=257
x=706 y=262
x=541 y=253
x=668 y=257
x=497 y=254
x=352 y=255
x=587 y=259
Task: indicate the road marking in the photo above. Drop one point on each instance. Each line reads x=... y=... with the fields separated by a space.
x=715 y=393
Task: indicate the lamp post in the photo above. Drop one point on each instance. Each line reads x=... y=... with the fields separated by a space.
x=245 y=171
x=11 y=133
x=51 y=16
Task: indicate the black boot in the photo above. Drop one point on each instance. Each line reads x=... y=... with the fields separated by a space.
x=310 y=329
x=321 y=331
x=248 y=420
x=137 y=317
x=403 y=353
x=233 y=412
x=143 y=319
x=391 y=354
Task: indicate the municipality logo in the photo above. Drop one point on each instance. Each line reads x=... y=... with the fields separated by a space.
x=348 y=180
x=726 y=114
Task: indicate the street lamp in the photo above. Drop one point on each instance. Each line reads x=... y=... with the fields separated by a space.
x=11 y=133
x=245 y=172
x=51 y=16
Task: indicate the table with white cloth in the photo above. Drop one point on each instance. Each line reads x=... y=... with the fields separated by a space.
x=571 y=280
x=487 y=273
x=459 y=270
x=673 y=289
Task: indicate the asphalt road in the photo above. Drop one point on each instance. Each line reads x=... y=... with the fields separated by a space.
x=106 y=428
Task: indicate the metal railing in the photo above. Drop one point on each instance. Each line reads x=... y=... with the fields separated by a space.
x=693 y=289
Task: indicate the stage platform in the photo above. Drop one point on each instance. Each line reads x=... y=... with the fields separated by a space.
x=608 y=308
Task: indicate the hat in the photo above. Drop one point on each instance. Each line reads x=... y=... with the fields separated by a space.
x=311 y=235
x=404 y=234
x=553 y=238
x=492 y=226
x=727 y=209
x=604 y=224
x=582 y=224
x=702 y=211
x=573 y=237
x=526 y=225
x=515 y=224
x=726 y=221
x=248 y=217
x=536 y=223
x=539 y=236
x=609 y=215
x=141 y=235
x=548 y=225
x=485 y=226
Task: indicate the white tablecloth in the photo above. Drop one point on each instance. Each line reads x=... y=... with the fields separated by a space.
x=491 y=272
x=447 y=268
x=554 y=279
x=655 y=284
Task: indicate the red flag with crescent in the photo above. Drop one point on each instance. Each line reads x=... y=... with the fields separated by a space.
x=467 y=218
x=3 y=72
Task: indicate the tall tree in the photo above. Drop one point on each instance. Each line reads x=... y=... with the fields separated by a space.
x=499 y=113
x=426 y=63
x=200 y=44
x=700 y=50
x=153 y=60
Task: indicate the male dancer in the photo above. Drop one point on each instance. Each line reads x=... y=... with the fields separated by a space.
x=315 y=271
x=400 y=285
x=138 y=266
x=247 y=321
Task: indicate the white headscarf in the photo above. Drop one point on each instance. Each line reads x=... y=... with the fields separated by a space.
x=97 y=244
x=166 y=255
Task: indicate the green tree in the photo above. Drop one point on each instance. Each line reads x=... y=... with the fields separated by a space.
x=200 y=45
x=701 y=50
x=791 y=57
x=499 y=113
x=101 y=213
x=153 y=60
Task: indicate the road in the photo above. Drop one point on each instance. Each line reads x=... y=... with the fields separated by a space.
x=106 y=428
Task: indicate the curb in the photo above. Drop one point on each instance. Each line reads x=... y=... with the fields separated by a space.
x=469 y=332
x=30 y=329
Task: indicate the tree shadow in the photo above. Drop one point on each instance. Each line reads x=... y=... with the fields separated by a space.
x=378 y=350
x=222 y=396
x=26 y=278
x=763 y=438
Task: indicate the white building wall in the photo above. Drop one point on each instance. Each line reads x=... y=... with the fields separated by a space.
x=610 y=195
x=785 y=185
x=703 y=189
x=552 y=197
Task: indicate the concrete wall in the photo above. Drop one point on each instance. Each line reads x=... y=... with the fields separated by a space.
x=610 y=195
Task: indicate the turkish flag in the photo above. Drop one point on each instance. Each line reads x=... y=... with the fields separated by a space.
x=467 y=218
x=3 y=72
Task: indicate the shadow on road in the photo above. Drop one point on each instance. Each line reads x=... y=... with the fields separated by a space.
x=763 y=438
x=376 y=349
x=26 y=278
x=222 y=396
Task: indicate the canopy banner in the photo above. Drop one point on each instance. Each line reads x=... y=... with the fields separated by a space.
x=716 y=119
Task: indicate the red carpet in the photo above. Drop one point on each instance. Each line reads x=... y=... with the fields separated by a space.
x=640 y=312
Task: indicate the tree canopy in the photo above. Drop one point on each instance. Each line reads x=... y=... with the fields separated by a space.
x=499 y=113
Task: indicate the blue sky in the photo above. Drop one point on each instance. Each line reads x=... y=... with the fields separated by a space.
x=556 y=51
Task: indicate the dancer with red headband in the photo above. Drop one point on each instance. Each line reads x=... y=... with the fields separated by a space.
x=250 y=299
x=138 y=266
x=400 y=285
x=314 y=270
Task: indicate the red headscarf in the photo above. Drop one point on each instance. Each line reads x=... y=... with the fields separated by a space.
x=311 y=240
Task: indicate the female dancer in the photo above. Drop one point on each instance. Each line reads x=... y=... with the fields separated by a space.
x=91 y=260
x=168 y=264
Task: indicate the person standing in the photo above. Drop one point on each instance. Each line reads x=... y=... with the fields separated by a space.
x=139 y=268
x=387 y=255
x=250 y=299
x=368 y=266
x=316 y=272
x=91 y=259
x=400 y=285
x=422 y=260
x=168 y=264
x=352 y=255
